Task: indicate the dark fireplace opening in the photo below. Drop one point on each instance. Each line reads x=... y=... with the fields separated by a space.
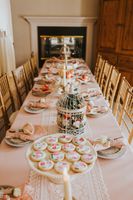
x=51 y=40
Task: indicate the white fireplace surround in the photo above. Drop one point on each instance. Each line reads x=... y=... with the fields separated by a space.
x=87 y=22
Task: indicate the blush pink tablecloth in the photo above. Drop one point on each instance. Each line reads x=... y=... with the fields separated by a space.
x=117 y=174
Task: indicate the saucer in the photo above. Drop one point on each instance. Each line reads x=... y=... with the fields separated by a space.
x=33 y=110
x=112 y=152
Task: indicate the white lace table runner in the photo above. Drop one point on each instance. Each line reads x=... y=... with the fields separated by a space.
x=89 y=186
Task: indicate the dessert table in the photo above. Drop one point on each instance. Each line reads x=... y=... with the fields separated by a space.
x=109 y=179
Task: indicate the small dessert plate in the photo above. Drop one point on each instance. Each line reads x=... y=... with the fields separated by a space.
x=97 y=111
x=112 y=152
x=39 y=93
x=33 y=110
x=15 y=142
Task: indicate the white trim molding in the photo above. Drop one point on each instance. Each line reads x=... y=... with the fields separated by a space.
x=87 y=22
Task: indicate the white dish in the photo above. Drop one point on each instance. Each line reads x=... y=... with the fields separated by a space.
x=52 y=174
x=40 y=93
x=98 y=111
x=33 y=111
x=112 y=152
x=91 y=94
x=8 y=141
x=39 y=81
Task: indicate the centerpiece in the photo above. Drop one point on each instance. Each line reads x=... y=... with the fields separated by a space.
x=71 y=112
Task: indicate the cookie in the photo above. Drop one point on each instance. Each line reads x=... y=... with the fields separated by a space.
x=45 y=165
x=57 y=156
x=88 y=158
x=72 y=156
x=37 y=155
x=51 y=140
x=79 y=140
x=79 y=166
x=83 y=149
x=54 y=147
x=60 y=166
x=65 y=138
x=68 y=147
x=40 y=145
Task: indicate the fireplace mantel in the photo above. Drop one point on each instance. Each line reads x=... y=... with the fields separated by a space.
x=88 y=22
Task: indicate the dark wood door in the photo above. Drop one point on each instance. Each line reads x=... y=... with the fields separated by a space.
x=108 y=24
x=125 y=36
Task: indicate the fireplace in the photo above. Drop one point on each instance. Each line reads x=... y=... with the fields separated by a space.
x=51 y=40
x=86 y=23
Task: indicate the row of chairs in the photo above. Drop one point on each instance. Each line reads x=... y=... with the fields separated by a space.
x=117 y=91
x=23 y=77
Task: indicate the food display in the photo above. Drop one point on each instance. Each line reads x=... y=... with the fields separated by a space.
x=79 y=166
x=41 y=90
x=68 y=147
x=50 y=159
x=45 y=165
x=39 y=146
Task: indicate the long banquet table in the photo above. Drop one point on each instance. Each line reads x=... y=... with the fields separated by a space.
x=109 y=179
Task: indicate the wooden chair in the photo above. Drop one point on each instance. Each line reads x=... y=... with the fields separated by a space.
x=120 y=99
x=112 y=86
x=7 y=99
x=34 y=67
x=105 y=77
x=99 y=69
x=28 y=74
x=3 y=120
x=20 y=83
x=97 y=63
x=127 y=114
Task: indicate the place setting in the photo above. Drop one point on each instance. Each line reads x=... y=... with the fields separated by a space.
x=36 y=106
x=94 y=110
x=10 y=192
x=41 y=90
x=22 y=192
x=20 y=137
x=48 y=71
x=43 y=79
x=92 y=94
x=85 y=78
x=109 y=148
x=117 y=149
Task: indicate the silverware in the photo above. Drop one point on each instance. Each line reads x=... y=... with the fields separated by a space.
x=111 y=139
x=118 y=138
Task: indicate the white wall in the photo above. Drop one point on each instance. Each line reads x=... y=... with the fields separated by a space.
x=21 y=28
x=5 y=18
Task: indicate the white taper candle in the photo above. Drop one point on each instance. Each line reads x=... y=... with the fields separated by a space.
x=67 y=185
